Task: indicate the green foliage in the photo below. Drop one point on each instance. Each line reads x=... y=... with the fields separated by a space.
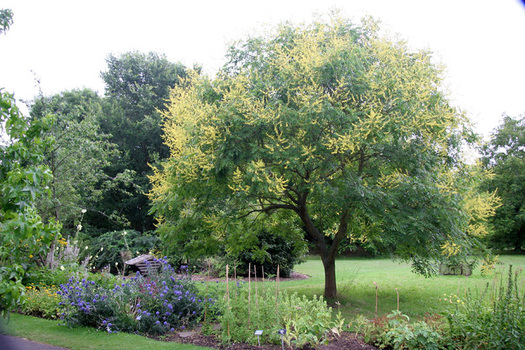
x=41 y=301
x=259 y=306
x=136 y=88
x=308 y=321
x=347 y=132
x=43 y=276
x=271 y=251
x=112 y=249
x=78 y=157
x=495 y=319
x=504 y=155
x=395 y=331
x=24 y=238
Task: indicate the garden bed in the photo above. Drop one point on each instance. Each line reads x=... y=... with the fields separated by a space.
x=346 y=341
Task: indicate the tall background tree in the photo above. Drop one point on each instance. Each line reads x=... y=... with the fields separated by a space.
x=346 y=132
x=137 y=87
x=77 y=158
x=504 y=155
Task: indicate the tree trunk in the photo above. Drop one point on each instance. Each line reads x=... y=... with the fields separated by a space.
x=327 y=251
x=330 y=287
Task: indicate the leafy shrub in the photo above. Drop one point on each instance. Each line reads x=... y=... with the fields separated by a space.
x=395 y=331
x=307 y=321
x=110 y=249
x=270 y=251
x=45 y=277
x=156 y=304
x=495 y=319
x=403 y=335
x=40 y=301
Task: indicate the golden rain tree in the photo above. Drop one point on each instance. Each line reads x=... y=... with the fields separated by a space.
x=344 y=132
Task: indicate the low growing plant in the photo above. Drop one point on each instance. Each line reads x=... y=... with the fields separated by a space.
x=494 y=319
x=395 y=331
x=41 y=301
x=260 y=307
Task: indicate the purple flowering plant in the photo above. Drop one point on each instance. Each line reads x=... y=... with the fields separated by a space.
x=154 y=304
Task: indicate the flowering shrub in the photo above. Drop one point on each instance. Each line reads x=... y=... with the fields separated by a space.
x=166 y=301
x=40 y=301
x=156 y=304
x=86 y=303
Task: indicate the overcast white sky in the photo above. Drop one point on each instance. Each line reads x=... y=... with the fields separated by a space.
x=64 y=43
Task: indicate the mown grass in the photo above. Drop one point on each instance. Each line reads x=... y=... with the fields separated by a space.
x=417 y=295
x=82 y=338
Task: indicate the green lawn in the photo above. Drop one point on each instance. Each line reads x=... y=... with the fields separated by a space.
x=355 y=280
x=81 y=338
x=418 y=295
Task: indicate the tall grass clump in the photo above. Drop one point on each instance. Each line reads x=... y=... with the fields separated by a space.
x=495 y=319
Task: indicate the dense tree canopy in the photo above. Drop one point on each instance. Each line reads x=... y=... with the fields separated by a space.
x=346 y=132
x=78 y=156
x=504 y=155
x=137 y=86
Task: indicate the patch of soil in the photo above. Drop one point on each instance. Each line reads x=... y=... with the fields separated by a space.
x=347 y=341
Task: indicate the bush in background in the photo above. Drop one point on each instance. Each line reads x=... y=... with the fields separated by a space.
x=270 y=251
x=112 y=249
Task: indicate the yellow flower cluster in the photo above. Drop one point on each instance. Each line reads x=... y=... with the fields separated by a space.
x=62 y=241
x=40 y=301
x=452 y=299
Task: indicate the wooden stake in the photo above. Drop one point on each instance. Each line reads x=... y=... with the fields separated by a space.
x=235 y=282
x=228 y=297
x=256 y=297
x=249 y=292
x=277 y=291
x=377 y=286
x=207 y=295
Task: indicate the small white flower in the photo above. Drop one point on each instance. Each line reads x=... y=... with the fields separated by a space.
x=61 y=267
x=79 y=227
x=84 y=211
x=87 y=247
x=124 y=233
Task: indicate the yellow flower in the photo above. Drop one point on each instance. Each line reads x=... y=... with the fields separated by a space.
x=30 y=256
